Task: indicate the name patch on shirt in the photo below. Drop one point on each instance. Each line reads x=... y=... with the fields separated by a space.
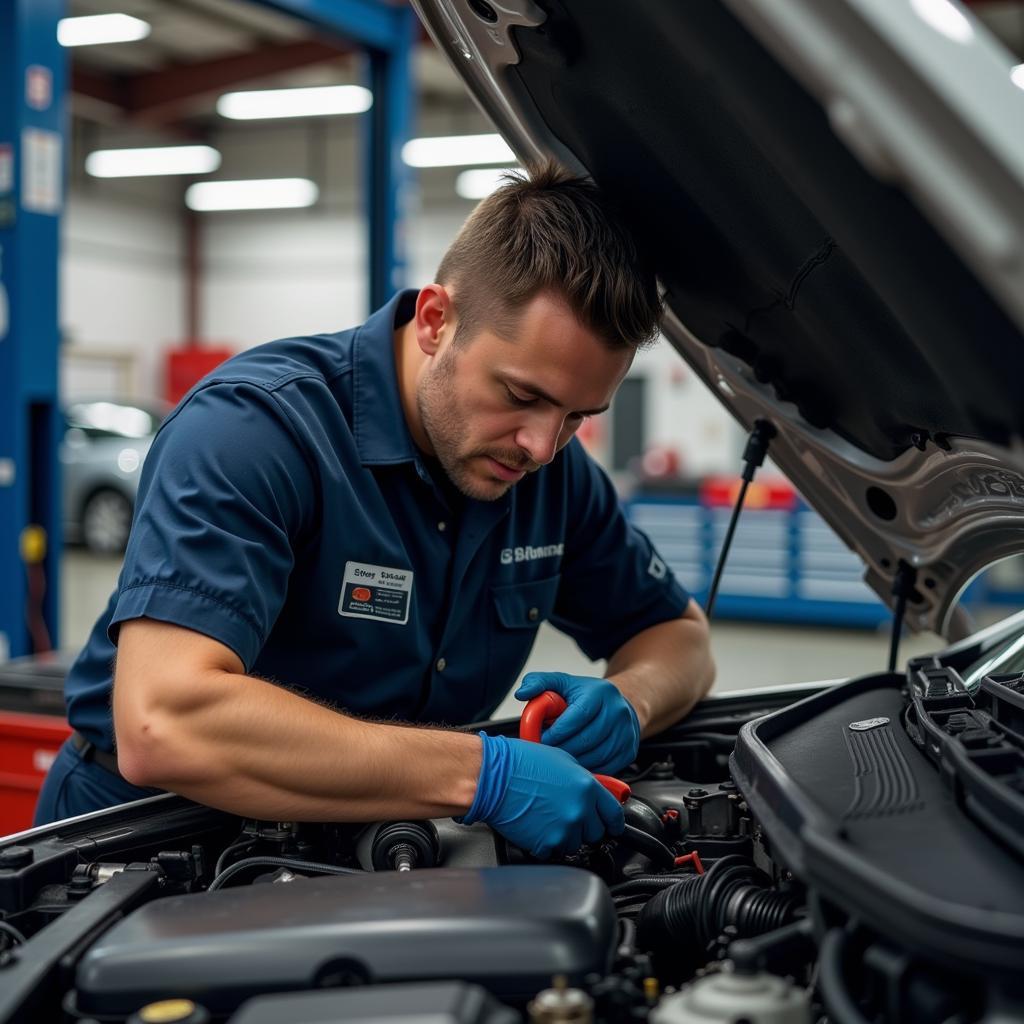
x=529 y=553
x=376 y=592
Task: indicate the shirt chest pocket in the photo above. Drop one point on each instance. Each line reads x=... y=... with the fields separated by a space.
x=525 y=605
x=519 y=609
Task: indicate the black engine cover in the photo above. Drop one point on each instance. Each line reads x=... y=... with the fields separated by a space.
x=857 y=810
x=508 y=929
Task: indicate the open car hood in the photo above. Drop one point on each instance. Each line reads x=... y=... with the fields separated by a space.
x=833 y=197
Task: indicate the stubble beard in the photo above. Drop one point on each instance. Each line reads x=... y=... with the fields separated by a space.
x=437 y=403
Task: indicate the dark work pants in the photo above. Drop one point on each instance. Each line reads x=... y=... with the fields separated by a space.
x=75 y=785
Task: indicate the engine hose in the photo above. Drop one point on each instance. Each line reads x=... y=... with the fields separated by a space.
x=627 y=935
x=680 y=922
x=278 y=862
x=840 y=1006
x=629 y=906
x=763 y=910
x=646 y=884
x=629 y=911
x=650 y=846
x=723 y=898
x=668 y=919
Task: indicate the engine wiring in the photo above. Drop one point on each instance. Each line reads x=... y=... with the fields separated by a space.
x=841 y=1008
x=278 y=862
x=230 y=851
x=12 y=933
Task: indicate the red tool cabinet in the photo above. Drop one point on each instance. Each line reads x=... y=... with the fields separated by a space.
x=32 y=728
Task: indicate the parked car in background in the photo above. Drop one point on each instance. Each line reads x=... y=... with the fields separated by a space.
x=105 y=443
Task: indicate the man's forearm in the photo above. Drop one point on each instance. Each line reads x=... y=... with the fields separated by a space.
x=255 y=749
x=664 y=670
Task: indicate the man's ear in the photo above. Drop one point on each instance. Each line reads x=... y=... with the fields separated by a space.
x=434 y=317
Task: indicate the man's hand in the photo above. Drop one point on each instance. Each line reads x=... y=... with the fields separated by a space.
x=599 y=728
x=540 y=799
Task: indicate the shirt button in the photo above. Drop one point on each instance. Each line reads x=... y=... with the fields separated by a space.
x=440 y=664
x=442 y=526
x=533 y=614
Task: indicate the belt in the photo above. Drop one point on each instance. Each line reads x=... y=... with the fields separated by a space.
x=90 y=752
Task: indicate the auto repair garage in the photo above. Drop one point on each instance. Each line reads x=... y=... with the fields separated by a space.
x=249 y=449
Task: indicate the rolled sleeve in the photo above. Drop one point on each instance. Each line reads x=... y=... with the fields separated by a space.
x=224 y=498
x=614 y=583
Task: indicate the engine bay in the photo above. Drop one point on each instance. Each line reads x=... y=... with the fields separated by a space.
x=773 y=870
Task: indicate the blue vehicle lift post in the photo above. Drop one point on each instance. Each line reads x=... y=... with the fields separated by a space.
x=32 y=134
x=33 y=76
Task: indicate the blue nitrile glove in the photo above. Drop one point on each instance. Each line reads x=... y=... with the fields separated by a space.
x=540 y=799
x=599 y=727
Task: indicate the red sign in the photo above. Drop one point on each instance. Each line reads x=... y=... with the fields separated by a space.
x=362 y=594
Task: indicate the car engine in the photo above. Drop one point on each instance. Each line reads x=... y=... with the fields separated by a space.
x=853 y=856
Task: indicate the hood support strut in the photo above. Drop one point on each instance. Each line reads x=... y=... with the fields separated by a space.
x=902 y=587
x=753 y=456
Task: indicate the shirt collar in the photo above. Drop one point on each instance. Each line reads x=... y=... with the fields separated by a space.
x=381 y=433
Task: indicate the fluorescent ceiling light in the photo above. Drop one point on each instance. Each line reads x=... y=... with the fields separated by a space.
x=101 y=28
x=945 y=17
x=134 y=163
x=256 y=194
x=456 y=150
x=1017 y=76
x=312 y=102
x=480 y=183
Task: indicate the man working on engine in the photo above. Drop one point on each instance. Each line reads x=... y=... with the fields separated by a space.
x=339 y=538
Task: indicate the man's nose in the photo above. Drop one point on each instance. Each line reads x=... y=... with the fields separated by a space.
x=539 y=438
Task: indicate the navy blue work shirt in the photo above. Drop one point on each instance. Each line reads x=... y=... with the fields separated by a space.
x=285 y=511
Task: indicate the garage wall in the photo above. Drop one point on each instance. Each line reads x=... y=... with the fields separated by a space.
x=682 y=414
x=265 y=275
x=270 y=274
x=302 y=272
x=121 y=293
x=281 y=275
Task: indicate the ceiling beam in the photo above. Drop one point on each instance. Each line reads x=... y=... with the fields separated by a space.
x=160 y=97
x=97 y=86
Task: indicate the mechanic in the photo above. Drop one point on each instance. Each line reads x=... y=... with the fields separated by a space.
x=344 y=544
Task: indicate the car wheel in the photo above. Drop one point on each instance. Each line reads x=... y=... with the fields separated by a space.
x=106 y=522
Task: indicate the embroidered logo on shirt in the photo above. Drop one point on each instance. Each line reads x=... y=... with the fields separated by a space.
x=658 y=569
x=530 y=554
x=375 y=592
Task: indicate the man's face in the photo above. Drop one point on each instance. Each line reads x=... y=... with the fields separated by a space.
x=495 y=409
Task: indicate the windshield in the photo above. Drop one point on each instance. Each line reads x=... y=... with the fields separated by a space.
x=1007 y=659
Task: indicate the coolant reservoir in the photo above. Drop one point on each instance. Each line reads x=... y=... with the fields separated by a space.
x=727 y=997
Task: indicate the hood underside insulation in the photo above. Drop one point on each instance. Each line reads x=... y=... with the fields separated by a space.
x=772 y=240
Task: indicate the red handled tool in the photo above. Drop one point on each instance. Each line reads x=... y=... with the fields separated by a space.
x=543 y=710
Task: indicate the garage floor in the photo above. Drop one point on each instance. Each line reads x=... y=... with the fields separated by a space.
x=747 y=655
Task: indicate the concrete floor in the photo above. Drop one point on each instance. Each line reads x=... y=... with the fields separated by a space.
x=747 y=655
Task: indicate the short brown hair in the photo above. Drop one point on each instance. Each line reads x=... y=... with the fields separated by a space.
x=550 y=231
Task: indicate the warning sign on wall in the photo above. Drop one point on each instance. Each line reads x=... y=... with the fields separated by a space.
x=41 y=170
